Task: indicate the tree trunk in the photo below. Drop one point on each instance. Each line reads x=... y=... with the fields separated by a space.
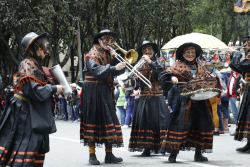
x=66 y=58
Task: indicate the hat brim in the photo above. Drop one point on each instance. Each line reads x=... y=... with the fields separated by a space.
x=99 y=35
x=154 y=46
x=181 y=48
x=42 y=35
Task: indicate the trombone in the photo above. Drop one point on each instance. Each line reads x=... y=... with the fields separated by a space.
x=130 y=57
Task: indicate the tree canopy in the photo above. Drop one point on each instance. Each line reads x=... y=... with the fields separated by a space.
x=134 y=20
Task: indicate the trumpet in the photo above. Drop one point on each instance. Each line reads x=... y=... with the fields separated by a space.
x=131 y=56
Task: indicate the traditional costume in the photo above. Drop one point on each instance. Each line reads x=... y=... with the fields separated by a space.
x=151 y=116
x=23 y=142
x=242 y=65
x=99 y=123
x=191 y=125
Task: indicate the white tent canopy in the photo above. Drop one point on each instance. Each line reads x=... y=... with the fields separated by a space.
x=204 y=40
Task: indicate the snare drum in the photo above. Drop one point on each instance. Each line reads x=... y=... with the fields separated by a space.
x=202 y=89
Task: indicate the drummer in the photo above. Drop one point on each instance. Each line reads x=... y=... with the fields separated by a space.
x=192 y=123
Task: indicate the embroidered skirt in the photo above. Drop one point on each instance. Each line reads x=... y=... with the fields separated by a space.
x=99 y=123
x=243 y=128
x=19 y=145
x=150 y=122
x=192 y=131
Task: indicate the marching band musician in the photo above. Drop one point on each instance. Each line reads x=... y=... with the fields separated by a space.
x=23 y=141
x=241 y=65
x=99 y=123
x=191 y=125
x=150 y=117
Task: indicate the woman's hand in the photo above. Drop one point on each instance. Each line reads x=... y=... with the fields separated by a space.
x=219 y=101
x=120 y=66
x=174 y=80
x=241 y=86
x=146 y=58
x=230 y=50
x=238 y=91
x=60 y=88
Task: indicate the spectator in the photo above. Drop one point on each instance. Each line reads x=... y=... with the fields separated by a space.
x=73 y=102
x=9 y=94
x=64 y=106
x=69 y=105
x=1 y=87
x=239 y=89
x=215 y=101
x=232 y=96
x=130 y=107
x=61 y=113
x=173 y=95
x=117 y=92
x=222 y=109
x=120 y=104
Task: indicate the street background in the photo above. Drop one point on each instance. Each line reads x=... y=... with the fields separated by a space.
x=66 y=151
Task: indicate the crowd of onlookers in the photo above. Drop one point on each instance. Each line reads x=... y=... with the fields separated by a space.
x=125 y=103
x=68 y=108
x=6 y=94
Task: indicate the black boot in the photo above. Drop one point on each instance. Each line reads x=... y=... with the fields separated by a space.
x=146 y=152
x=199 y=157
x=110 y=158
x=93 y=160
x=245 y=148
x=172 y=158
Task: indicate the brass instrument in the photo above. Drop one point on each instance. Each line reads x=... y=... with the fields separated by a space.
x=131 y=56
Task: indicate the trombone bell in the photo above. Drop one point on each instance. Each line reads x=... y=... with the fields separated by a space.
x=131 y=56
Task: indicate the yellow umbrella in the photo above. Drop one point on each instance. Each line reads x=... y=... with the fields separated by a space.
x=204 y=40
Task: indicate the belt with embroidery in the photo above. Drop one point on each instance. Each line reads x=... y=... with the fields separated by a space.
x=20 y=96
x=90 y=78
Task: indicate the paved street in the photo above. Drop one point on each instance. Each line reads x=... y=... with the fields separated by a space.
x=66 y=151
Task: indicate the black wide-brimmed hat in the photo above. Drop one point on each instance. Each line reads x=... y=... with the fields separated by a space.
x=181 y=48
x=102 y=33
x=30 y=38
x=145 y=43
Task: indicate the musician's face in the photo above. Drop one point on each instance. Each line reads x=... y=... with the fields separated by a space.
x=44 y=51
x=41 y=53
x=148 y=50
x=105 y=41
x=46 y=48
x=189 y=54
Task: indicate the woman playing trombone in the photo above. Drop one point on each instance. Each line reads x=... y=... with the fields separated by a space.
x=150 y=116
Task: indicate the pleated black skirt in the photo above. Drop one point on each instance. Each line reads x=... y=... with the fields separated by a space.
x=150 y=122
x=196 y=133
x=243 y=128
x=19 y=145
x=99 y=123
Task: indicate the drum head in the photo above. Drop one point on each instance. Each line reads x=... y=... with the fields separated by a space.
x=203 y=95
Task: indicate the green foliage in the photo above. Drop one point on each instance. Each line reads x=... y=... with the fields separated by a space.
x=134 y=20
